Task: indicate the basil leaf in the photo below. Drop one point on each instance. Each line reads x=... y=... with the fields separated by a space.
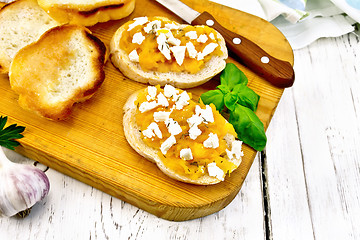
x=246 y=97
x=231 y=76
x=223 y=88
x=248 y=126
x=230 y=100
x=214 y=96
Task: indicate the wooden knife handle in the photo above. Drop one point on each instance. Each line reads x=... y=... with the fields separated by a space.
x=277 y=72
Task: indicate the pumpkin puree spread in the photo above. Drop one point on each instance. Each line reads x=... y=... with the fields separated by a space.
x=161 y=45
x=188 y=135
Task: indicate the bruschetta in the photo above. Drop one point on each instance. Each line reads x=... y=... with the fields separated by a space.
x=157 y=50
x=189 y=141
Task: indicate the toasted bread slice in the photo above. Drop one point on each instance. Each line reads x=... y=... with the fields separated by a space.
x=87 y=13
x=4 y=2
x=63 y=67
x=21 y=23
x=182 y=79
x=135 y=137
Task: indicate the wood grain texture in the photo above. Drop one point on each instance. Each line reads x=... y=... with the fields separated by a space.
x=314 y=176
x=74 y=210
x=90 y=145
x=277 y=72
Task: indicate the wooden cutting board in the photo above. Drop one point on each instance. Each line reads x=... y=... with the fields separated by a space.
x=90 y=146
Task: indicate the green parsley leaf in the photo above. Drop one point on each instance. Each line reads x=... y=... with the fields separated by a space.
x=9 y=134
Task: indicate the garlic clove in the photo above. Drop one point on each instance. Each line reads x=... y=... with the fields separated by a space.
x=21 y=186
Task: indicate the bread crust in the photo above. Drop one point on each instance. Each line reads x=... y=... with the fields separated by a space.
x=21 y=23
x=88 y=14
x=132 y=70
x=133 y=136
x=37 y=71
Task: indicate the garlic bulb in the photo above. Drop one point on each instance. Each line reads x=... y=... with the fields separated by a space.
x=21 y=186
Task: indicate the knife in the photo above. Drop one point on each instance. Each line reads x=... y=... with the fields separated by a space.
x=279 y=73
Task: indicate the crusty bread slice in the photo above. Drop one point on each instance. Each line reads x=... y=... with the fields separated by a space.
x=3 y=2
x=87 y=13
x=132 y=134
x=21 y=23
x=133 y=70
x=63 y=67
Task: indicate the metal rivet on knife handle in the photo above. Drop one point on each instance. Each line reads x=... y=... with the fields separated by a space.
x=265 y=59
x=236 y=40
x=209 y=22
x=277 y=72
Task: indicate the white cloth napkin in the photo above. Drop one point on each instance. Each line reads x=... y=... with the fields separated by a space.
x=303 y=21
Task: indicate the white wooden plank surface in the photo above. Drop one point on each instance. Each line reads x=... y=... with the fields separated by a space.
x=309 y=185
x=288 y=206
x=313 y=151
x=73 y=210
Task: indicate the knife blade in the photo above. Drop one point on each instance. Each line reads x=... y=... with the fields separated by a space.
x=278 y=72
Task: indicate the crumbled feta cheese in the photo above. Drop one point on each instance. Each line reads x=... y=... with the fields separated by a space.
x=236 y=148
x=191 y=34
x=207 y=114
x=182 y=100
x=173 y=126
x=198 y=110
x=146 y=106
x=201 y=115
x=212 y=141
x=200 y=56
x=138 y=21
x=171 y=26
x=207 y=50
x=133 y=56
x=191 y=49
x=174 y=41
x=212 y=36
x=164 y=31
x=202 y=38
x=194 y=132
x=156 y=129
x=168 y=33
x=152 y=26
x=151 y=93
x=169 y=36
x=161 y=116
x=186 y=154
x=163 y=46
x=167 y=144
x=152 y=130
x=148 y=133
x=229 y=154
x=162 y=101
x=138 y=38
x=194 y=120
x=179 y=53
x=215 y=171
x=170 y=91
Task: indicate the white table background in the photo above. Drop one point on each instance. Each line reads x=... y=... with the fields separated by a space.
x=306 y=185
